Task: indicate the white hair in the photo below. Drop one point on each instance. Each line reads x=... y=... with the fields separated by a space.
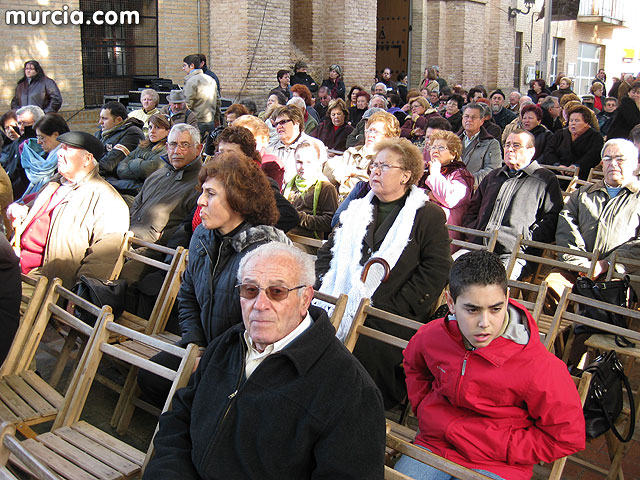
x=386 y=102
x=150 y=91
x=36 y=111
x=183 y=127
x=304 y=262
x=298 y=102
x=628 y=149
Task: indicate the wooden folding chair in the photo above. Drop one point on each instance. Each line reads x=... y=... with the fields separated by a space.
x=489 y=238
x=621 y=266
x=401 y=445
x=33 y=292
x=306 y=244
x=603 y=342
x=78 y=450
x=339 y=303
x=596 y=174
x=563 y=172
x=582 y=384
x=162 y=308
x=10 y=445
x=25 y=398
x=548 y=258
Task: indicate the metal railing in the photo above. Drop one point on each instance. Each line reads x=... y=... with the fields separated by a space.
x=604 y=8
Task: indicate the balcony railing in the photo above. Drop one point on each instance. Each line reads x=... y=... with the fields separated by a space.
x=603 y=11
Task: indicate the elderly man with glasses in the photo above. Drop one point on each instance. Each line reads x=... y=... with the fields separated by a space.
x=265 y=401
x=519 y=198
x=168 y=196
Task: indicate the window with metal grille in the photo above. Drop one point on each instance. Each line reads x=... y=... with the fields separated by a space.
x=114 y=55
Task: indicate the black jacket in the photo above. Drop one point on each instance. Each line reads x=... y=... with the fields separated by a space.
x=332 y=138
x=119 y=143
x=414 y=284
x=626 y=117
x=303 y=78
x=308 y=411
x=455 y=120
x=504 y=117
x=9 y=296
x=542 y=136
x=336 y=89
x=42 y=92
x=553 y=124
x=527 y=203
x=584 y=151
x=208 y=303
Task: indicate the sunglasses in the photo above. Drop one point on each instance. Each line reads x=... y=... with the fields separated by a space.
x=277 y=293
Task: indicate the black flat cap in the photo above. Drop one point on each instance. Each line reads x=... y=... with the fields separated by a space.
x=83 y=140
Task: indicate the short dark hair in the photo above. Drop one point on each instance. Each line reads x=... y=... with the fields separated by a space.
x=250 y=104
x=240 y=136
x=6 y=116
x=439 y=123
x=478 y=267
x=51 y=123
x=192 y=60
x=282 y=73
x=532 y=107
x=521 y=131
x=634 y=86
x=203 y=58
x=459 y=100
x=395 y=100
x=472 y=92
x=116 y=109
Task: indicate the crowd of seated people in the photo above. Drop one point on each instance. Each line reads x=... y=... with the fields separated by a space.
x=378 y=176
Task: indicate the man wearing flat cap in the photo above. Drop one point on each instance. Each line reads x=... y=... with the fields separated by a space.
x=177 y=110
x=76 y=224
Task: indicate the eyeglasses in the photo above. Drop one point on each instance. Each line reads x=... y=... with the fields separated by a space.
x=618 y=159
x=514 y=146
x=439 y=148
x=375 y=133
x=277 y=293
x=282 y=122
x=383 y=167
x=471 y=117
x=181 y=146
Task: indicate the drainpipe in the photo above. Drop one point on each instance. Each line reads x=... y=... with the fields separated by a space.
x=199 y=33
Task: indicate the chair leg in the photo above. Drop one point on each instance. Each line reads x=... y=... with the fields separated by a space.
x=65 y=353
x=127 y=413
x=125 y=397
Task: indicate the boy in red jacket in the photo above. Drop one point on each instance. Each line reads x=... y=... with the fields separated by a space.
x=486 y=392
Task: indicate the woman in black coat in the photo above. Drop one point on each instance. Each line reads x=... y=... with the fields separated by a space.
x=334 y=83
x=577 y=144
x=531 y=117
x=538 y=86
x=35 y=88
x=334 y=130
x=394 y=221
x=628 y=114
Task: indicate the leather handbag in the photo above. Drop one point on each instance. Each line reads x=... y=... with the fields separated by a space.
x=100 y=293
x=615 y=292
x=604 y=400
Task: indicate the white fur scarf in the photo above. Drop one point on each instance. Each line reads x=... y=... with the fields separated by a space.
x=345 y=269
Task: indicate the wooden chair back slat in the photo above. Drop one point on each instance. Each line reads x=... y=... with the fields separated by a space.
x=340 y=305
x=146 y=260
x=20 y=344
x=490 y=237
x=308 y=241
x=626 y=262
x=116 y=351
x=10 y=444
x=145 y=339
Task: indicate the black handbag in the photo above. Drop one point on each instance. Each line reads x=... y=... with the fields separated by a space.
x=604 y=400
x=615 y=292
x=100 y=293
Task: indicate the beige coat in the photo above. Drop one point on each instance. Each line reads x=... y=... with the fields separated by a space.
x=86 y=229
x=202 y=96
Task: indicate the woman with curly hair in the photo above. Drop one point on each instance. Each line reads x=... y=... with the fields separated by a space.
x=238 y=212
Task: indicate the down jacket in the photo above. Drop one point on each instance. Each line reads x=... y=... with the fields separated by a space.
x=307 y=412
x=500 y=408
x=208 y=303
x=137 y=166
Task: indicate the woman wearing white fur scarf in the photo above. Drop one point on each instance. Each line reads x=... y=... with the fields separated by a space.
x=394 y=221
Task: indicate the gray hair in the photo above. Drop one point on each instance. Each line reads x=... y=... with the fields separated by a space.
x=386 y=102
x=152 y=92
x=36 y=111
x=305 y=266
x=474 y=106
x=515 y=91
x=525 y=100
x=628 y=77
x=323 y=89
x=549 y=102
x=183 y=127
x=629 y=150
x=380 y=84
x=298 y=102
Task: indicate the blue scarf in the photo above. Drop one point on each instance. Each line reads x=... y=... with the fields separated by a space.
x=39 y=169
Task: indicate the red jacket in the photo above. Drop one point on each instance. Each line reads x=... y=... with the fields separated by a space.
x=501 y=408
